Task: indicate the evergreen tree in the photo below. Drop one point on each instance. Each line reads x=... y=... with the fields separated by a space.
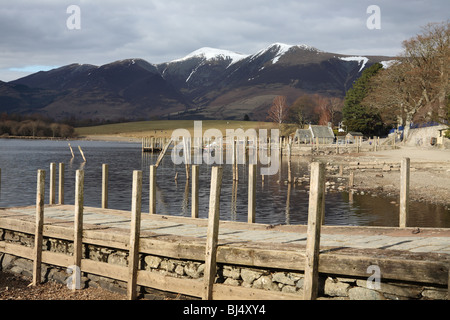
x=356 y=116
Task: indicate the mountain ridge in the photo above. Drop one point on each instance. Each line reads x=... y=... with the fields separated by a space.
x=207 y=83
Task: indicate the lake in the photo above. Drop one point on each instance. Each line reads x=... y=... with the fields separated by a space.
x=20 y=159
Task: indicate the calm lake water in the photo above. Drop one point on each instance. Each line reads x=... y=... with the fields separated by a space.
x=20 y=160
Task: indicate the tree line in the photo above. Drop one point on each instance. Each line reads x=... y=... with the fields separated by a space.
x=307 y=109
x=415 y=87
x=33 y=126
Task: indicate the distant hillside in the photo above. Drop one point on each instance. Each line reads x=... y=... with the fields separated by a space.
x=206 y=84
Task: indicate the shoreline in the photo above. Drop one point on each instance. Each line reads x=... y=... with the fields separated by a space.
x=429 y=173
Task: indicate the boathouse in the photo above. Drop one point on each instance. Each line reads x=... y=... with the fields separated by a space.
x=324 y=134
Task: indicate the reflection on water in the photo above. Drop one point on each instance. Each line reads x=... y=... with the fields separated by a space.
x=276 y=202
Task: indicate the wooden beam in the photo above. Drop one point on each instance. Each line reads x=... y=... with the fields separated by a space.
x=404 y=193
x=52 y=188
x=212 y=233
x=61 y=183
x=152 y=190
x=105 y=174
x=315 y=218
x=251 y=193
x=194 y=196
x=38 y=235
x=133 y=257
x=78 y=229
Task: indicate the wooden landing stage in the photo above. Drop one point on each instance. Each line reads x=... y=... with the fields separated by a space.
x=402 y=254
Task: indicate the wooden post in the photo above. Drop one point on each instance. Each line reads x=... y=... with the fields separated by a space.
x=61 y=183
x=133 y=257
x=341 y=170
x=152 y=190
x=251 y=193
x=71 y=151
x=78 y=226
x=315 y=218
x=194 y=200
x=235 y=161
x=52 y=195
x=351 y=180
x=404 y=192
x=105 y=177
x=82 y=154
x=289 y=146
x=37 y=252
x=213 y=233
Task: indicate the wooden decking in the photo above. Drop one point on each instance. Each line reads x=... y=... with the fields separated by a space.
x=404 y=254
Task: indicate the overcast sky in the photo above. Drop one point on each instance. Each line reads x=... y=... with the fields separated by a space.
x=34 y=34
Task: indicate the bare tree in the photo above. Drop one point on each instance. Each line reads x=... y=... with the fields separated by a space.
x=279 y=110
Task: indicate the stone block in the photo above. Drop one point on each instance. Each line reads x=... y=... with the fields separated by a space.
x=194 y=269
x=152 y=261
x=336 y=288
x=281 y=277
x=265 y=282
x=249 y=275
x=396 y=290
x=231 y=272
x=435 y=294
x=359 y=293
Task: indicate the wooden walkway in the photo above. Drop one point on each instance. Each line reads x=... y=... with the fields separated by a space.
x=404 y=254
x=333 y=238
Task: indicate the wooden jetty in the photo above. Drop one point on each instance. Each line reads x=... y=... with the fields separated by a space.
x=213 y=259
x=152 y=144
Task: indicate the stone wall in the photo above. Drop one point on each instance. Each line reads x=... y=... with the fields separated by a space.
x=331 y=287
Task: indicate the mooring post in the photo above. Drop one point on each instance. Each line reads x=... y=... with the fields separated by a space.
x=37 y=252
x=52 y=195
x=152 y=191
x=351 y=180
x=82 y=154
x=194 y=196
x=212 y=233
x=235 y=161
x=135 y=228
x=289 y=146
x=105 y=174
x=61 y=183
x=316 y=211
x=404 y=192
x=78 y=227
x=251 y=193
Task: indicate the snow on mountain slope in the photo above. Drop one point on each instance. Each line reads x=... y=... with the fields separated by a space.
x=208 y=53
x=360 y=60
x=279 y=49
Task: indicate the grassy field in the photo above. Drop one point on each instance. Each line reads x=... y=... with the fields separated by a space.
x=164 y=128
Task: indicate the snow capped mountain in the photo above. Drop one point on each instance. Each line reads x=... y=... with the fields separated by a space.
x=207 y=53
x=207 y=83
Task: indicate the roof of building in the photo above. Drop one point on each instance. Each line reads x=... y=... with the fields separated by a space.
x=355 y=134
x=322 y=132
